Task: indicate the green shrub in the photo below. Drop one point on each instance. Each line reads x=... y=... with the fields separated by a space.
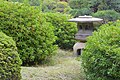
x=64 y=30
x=76 y=4
x=62 y=7
x=107 y=15
x=29 y=2
x=33 y=35
x=9 y=59
x=79 y=7
x=49 y=5
x=55 y=6
x=97 y=5
x=101 y=57
x=80 y=12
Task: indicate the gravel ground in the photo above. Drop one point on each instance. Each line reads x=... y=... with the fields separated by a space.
x=66 y=67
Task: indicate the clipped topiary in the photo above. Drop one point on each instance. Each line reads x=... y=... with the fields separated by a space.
x=64 y=30
x=101 y=57
x=9 y=59
x=33 y=35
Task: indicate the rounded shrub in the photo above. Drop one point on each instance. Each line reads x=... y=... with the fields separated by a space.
x=101 y=57
x=9 y=59
x=33 y=35
x=62 y=7
x=64 y=30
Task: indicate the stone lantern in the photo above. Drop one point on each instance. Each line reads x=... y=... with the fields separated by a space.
x=85 y=28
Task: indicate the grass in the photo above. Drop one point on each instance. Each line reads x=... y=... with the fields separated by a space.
x=64 y=66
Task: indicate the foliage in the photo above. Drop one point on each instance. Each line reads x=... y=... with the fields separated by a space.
x=35 y=2
x=107 y=15
x=33 y=35
x=77 y=4
x=55 y=6
x=79 y=7
x=87 y=7
x=9 y=59
x=80 y=12
x=49 y=5
x=101 y=57
x=64 y=30
x=30 y=2
x=62 y=7
x=116 y=5
x=98 y=5
x=92 y=5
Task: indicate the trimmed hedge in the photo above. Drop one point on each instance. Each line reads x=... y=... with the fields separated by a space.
x=9 y=59
x=101 y=57
x=64 y=30
x=33 y=35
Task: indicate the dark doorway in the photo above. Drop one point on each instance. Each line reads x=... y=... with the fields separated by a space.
x=78 y=52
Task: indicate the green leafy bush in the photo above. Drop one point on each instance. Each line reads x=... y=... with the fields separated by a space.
x=80 y=12
x=49 y=5
x=62 y=7
x=55 y=6
x=33 y=35
x=101 y=57
x=107 y=15
x=79 y=7
x=29 y=2
x=97 y=5
x=76 y=4
x=64 y=30
x=9 y=59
